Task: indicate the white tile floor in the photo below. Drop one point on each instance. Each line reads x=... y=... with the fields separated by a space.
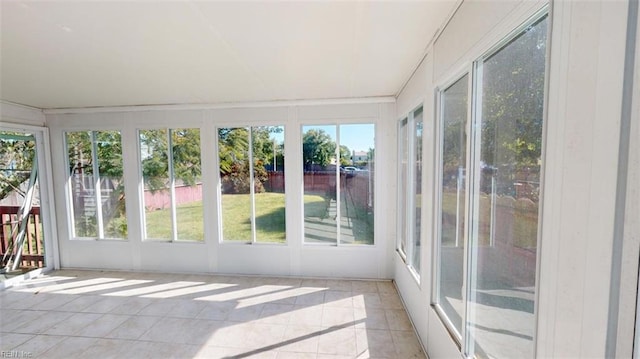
x=93 y=314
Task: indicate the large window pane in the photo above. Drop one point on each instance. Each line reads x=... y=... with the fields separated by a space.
x=410 y=189
x=453 y=119
x=319 y=162
x=171 y=173
x=233 y=149
x=187 y=169
x=252 y=175
x=97 y=186
x=268 y=174
x=356 y=183
x=506 y=197
x=338 y=164
x=154 y=153
x=79 y=150
x=417 y=188
x=110 y=169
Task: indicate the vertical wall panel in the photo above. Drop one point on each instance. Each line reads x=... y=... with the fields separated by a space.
x=628 y=285
x=415 y=296
x=585 y=94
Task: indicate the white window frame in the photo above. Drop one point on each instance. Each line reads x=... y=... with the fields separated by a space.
x=97 y=184
x=47 y=204
x=337 y=124
x=406 y=217
x=218 y=178
x=173 y=210
x=474 y=71
x=401 y=230
x=462 y=238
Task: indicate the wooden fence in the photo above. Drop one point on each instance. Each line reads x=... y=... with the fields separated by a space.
x=33 y=250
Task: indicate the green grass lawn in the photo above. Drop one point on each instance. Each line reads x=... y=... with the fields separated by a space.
x=315 y=206
x=236 y=223
x=189 y=218
x=270 y=217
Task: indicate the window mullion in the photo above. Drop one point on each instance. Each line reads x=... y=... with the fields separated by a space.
x=472 y=187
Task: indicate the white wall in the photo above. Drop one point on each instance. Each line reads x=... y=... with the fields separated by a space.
x=585 y=95
x=583 y=130
x=628 y=252
x=212 y=255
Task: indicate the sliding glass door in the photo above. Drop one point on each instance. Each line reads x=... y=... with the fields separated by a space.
x=489 y=198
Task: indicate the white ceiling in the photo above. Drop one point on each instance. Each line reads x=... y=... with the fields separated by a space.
x=61 y=54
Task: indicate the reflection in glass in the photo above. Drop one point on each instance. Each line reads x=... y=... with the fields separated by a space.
x=452 y=194
x=79 y=150
x=356 y=183
x=339 y=167
x=320 y=181
x=95 y=161
x=506 y=198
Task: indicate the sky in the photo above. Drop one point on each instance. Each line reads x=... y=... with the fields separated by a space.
x=358 y=137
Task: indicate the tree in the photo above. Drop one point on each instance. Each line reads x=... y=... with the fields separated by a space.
x=187 y=165
x=16 y=156
x=233 y=147
x=317 y=148
x=185 y=150
x=512 y=108
x=345 y=156
x=155 y=159
x=513 y=91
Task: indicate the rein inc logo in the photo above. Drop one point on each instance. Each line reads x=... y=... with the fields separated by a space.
x=15 y=354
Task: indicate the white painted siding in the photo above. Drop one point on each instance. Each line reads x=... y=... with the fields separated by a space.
x=585 y=89
x=585 y=96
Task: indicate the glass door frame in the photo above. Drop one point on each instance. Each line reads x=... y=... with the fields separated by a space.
x=47 y=204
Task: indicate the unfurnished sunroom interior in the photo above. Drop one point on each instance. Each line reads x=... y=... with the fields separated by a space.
x=448 y=179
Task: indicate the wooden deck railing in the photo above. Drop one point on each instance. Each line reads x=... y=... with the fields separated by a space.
x=33 y=250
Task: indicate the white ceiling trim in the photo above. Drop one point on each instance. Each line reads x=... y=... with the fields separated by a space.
x=257 y=104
